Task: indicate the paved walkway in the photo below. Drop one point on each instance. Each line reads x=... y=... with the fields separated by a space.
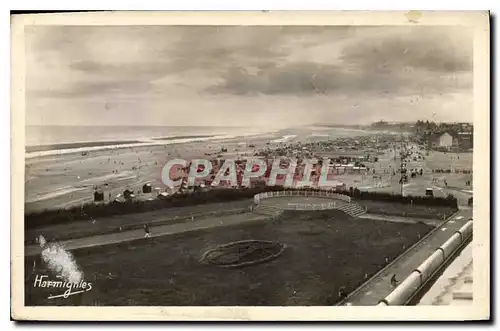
x=380 y=287
x=400 y=219
x=156 y=231
x=111 y=224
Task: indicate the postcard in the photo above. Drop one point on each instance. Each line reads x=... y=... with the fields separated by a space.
x=250 y=166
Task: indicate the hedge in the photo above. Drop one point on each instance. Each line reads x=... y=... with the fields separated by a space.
x=449 y=201
x=91 y=210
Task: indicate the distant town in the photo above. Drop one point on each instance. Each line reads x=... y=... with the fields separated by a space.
x=436 y=136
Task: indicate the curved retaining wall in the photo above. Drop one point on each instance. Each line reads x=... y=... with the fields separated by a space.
x=412 y=284
x=326 y=194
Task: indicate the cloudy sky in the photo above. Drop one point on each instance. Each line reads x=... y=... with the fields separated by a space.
x=265 y=76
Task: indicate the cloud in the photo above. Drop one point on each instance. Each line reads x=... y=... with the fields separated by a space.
x=95 y=54
x=85 y=89
x=419 y=48
x=308 y=78
x=165 y=71
x=404 y=62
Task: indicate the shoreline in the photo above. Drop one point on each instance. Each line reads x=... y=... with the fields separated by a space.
x=83 y=144
x=56 y=181
x=37 y=151
x=118 y=168
x=278 y=136
x=54 y=147
x=85 y=147
x=194 y=136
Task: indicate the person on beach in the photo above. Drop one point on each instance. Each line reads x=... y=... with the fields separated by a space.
x=40 y=240
x=342 y=294
x=394 y=281
x=147 y=231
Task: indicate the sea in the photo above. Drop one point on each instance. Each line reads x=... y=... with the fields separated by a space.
x=55 y=140
x=50 y=140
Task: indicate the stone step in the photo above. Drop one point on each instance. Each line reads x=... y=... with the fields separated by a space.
x=352 y=209
x=266 y=210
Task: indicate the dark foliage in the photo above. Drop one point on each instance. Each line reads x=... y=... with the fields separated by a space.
x=77 y=213
x=449 y=201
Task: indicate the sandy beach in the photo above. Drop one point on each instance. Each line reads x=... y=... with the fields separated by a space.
x=57 y=180
x=62 y=180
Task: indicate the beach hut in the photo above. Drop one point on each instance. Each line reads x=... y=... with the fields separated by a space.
x=162 y=195
x=146 y=188
x=340 y=187
x=128 y=194
x=98 y=196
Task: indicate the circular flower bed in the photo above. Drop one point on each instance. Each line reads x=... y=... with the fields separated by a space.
x=243 y=253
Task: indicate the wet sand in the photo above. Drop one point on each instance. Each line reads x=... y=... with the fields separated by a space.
x=58 y=181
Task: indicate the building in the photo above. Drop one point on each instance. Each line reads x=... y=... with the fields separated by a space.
x=442 y=141
x=446 y=140
x=345 y=157
x=465 y=126
x=465 y=140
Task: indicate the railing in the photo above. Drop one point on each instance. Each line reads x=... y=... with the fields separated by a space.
x=305 y=206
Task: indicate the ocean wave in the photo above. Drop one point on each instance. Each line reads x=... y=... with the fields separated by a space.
x=285 y=138
x=90 y=146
